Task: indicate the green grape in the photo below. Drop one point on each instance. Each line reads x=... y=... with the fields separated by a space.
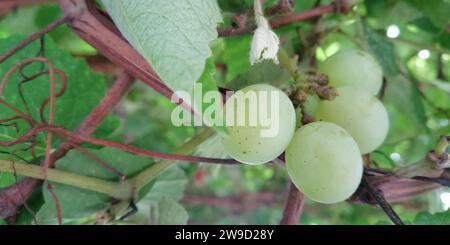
x=311 y=103
x=360 y=113
x=354 y=68
x=261 y=141
x=324 y=162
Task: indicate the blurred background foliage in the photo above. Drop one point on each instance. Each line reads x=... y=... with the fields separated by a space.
x=410 y=38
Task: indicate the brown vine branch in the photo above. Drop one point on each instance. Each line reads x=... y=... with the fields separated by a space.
x=293 y=207
x=338 y=6
x=282 y=7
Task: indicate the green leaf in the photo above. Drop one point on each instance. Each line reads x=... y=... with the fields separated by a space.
x=212 y=147
x=265 y=72
x=172 y=35
x=391 y=12
x=19 y=22
x=436 y=10
x=442 y=85
x=82 y=85
x=161 y=196
x=236 y=55
x=404 y=96
x=64 y=36
x=75 y=204
x=29 y=19
x=408 y=134
x=208 y=85
x=170 y=184
x=235 y=5
x=379 y=47
x=78 y=203
x=407 y=120
x=6 y=179
x=424 y=218
x=170 y=212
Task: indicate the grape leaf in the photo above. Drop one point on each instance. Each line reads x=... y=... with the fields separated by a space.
x=436 y=10
x=6 y=179
x=442 y=85
x=236 y=55
x=82 y=85
x=265 y=72
x=212 y=147
x=29 y=19
x=402 y=99
x=75 y=204
x=159 y=202
x=172 y=35
x=235 y=5
x=20 y=21
x=208 y=85
x=391 y=12
x=424 y=218
x=170 y=184
x=78 y=203
x=170 y=212
x=407 y=119
x=379 y=47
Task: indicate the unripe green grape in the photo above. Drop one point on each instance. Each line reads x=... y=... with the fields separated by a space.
x=311 y=103
x=324 y=162
x=353 y=68
x=246 y=143
x=360 y=113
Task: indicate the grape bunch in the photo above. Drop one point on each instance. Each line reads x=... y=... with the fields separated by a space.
x=323 y=158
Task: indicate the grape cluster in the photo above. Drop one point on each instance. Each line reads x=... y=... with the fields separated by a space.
x=323 y=158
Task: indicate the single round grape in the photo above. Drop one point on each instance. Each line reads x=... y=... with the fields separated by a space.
x=324 y=162
x=263 y=140
x=354 y=68
x=360 y=113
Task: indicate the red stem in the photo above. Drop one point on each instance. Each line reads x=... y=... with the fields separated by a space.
x=116 y=145
x=287 y=20
x=293 y=207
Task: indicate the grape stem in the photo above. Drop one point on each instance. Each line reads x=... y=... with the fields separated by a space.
x=381 y=201
x=293 y=207
x=62 y=177
x=339 y=6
